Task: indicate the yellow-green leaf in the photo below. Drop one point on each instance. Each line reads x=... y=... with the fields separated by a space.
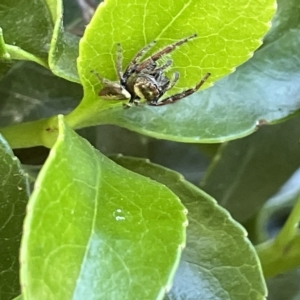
x=98 y=231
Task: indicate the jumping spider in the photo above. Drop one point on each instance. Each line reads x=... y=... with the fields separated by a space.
x=145 y=80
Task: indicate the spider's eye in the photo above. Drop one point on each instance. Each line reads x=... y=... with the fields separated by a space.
x=114 y=92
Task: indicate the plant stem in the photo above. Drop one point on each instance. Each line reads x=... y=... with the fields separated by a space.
x=274 y=261
x=282 y=253
x=290 y=228
x=20 y=54
x=29 y=134
x=3 y=52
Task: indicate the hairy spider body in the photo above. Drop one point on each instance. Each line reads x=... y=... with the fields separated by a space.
x=148 y=86
x=145 y=80
x=144 y=86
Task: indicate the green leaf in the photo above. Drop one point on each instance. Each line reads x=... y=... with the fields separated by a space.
x=31 y=38
x=29 y=92
x=104 y=231
x=267 y=87
x=63 y=54
x=246 y=172
x=226 y=38
x=52 y=6
x=14 y=193
x=27 y=28
x=64 y=49
x=218 y=262
x=284 y=20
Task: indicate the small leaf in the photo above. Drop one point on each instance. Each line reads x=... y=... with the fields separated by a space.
x=64 y=49
x=41 y=31
x=218 y=262
x=63 y=55
x=104 y=231
x=28 y=25
x=14 y=193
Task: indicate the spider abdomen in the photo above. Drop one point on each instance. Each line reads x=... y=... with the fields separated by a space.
x=145 y=87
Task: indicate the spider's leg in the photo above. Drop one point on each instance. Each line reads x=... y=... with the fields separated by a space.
x=156 y=56
x=166 y=84
x=142 y=52
x=127 y=105
x=164 y=66
x=171 y=47
x=173 y=81
x=119 y=62
x=181 y=95
x=135 y=101
x=133 y=63
x=156 y=72
x=104 y=81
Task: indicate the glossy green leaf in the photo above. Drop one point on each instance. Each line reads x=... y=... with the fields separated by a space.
x=226 y=38
x=218 y=262
x=285 y=19
x=27 y=28
x=29 y=92
x=64 y=48
x=267 y=87
x=40 y=32
x=52 y=6
x=14 y=193
x=246 y=172
x=101 y=230
x=63 y=54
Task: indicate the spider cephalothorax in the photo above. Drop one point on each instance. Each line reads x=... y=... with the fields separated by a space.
x=145 y=79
